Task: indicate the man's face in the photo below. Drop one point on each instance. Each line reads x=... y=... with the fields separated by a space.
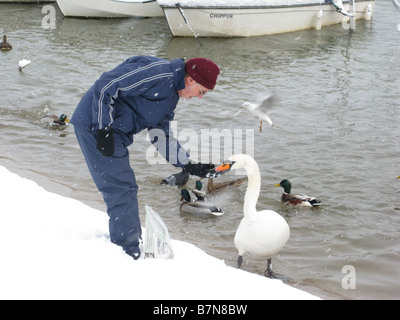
x=192 y=89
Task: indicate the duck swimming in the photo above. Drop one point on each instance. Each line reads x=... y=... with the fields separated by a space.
x=197 y=207
x=5 y=46
x=261 y=234
x=214 y=188
x=55 y=121
x=296 y=199
x=198 y=193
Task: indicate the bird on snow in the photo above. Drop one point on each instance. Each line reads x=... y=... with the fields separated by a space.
x=5 y=46
x=260 y=109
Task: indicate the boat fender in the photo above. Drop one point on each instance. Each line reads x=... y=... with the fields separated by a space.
x=318 y=20
x=368 y=12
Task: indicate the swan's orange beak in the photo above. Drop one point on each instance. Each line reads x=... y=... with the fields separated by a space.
x=224 y=167
x=216 y=172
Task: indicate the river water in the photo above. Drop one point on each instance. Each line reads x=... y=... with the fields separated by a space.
x=336 y=134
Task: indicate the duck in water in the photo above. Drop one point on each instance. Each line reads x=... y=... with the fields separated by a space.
x=5 y=46
x=55 y=121
x=296 y=199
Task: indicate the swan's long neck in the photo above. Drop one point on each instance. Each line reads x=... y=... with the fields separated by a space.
x=253 y=188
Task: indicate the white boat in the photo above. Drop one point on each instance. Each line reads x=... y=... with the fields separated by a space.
x=244 y=18
x=110 y=8
x=27 y=1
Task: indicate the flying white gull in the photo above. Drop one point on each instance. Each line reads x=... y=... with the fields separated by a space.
x=260 y=109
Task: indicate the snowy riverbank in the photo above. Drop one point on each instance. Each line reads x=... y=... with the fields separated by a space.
x=54 y=247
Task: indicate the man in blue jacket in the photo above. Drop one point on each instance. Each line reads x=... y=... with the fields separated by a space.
x=141 y=93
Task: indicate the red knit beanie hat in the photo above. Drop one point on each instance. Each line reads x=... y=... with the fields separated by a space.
x=203 y=71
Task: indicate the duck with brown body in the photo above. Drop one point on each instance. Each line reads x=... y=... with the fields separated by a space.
x=4 y=45
x=217 y=187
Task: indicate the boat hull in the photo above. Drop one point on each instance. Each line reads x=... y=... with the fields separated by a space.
x=245 y=22
x=108 y=9
x=27 y=1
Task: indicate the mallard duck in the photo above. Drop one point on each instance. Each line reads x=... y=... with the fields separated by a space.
x=214 y=188
x=296 y=199
x=261 y=234
x=199 y=194
x=197 y=207
x=5 y=46
x=55 y=121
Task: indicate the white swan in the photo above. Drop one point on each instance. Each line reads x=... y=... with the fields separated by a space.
x=261 y=234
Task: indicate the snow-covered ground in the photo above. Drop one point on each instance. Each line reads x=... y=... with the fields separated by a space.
x=54 y=247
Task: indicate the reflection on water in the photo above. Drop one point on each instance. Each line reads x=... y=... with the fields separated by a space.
x=336 y=134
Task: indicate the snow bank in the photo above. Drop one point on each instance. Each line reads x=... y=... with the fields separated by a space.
x=236 y=3
x=54 y=247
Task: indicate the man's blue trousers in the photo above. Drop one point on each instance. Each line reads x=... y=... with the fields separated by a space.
x=116 y=180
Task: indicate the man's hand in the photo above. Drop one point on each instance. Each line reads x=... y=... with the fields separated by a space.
x=196 y=169
x=105 y=142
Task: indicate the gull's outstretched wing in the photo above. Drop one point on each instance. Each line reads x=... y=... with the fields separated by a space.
x=267 y=103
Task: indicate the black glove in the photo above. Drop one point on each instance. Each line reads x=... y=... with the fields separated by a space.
x=177 y=179
x=105 y=142
x=198 y=169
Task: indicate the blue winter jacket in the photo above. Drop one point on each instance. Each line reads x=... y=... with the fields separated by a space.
x=141 y=93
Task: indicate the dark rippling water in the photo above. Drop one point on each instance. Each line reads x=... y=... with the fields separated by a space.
x=336 y=134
